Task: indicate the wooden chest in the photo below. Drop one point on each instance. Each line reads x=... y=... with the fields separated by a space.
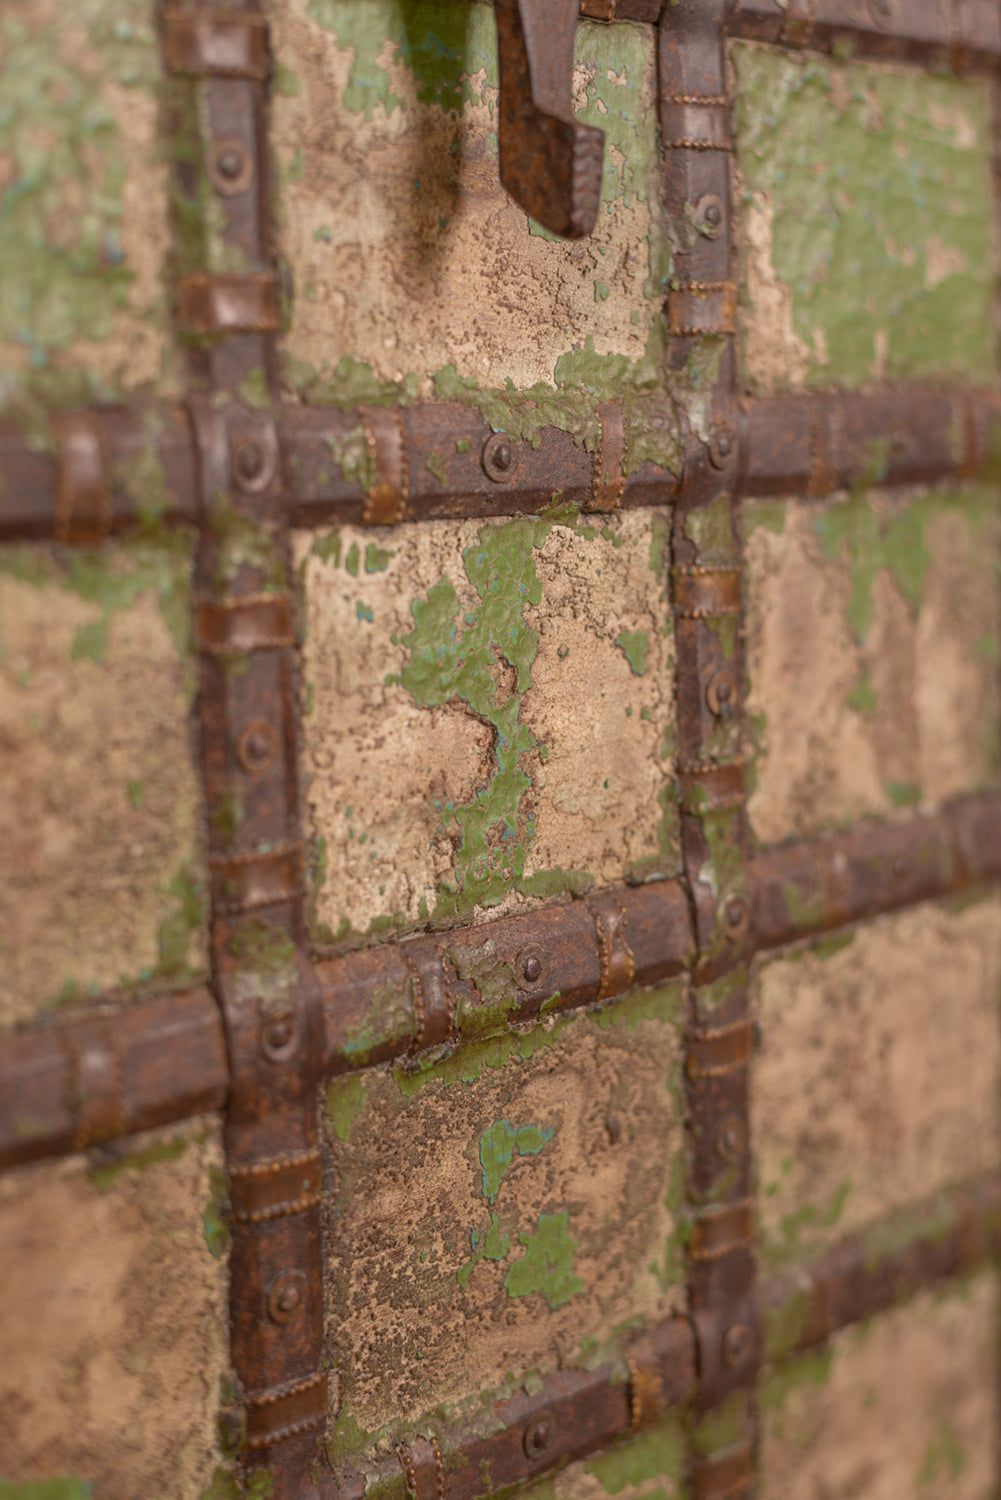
x=499 y=645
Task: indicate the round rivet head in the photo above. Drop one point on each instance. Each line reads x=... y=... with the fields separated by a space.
x=279 y=1032
x=249 y=461
x=530 y=968
x=708 y=216
x=499 y=459
x=538 y=1436
x=736 y=916
x=730 y=1139
x=721 y=447
x=257 y=747
x=231 y=168
x=286 y=1296
x=721 y=693
x=737 y=1344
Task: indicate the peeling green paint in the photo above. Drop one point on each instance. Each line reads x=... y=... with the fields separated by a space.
x=227 y=1484
x=182 y=924
x=500 y=1144
x=879 y=185
x=665 y=1003
x=871 y=538
x=63 y=1488
x=547 y=1265
x=344 y=1101
x=635 y=647
x=106 y=1174
x=64 y=275
x=657 y=1454
x=792 y=1239
x=492 y=833
x=215 y=1220
x=944 y=1458
x=466 y=1064
x=721 y=1428
x=493 y=1243
x=780 y=1383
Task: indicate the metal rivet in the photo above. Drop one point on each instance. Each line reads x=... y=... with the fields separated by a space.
x=721 y=447
x=257 y=747
x=530 y=968
x=279 y=1032
x=231 y=168
x=737 y=1343
x=249 y=461
x=709 y=216
x=730 y=1140
x=499 y=459
x=538 y=1436
x=287 y=1296
x=736 y=916
x=721 y=692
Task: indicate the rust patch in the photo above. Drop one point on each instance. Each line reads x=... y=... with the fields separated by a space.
x=879 y=1077
x=507 y=1211
x=906 y=1406
x=114 y=1318
x=872 y=642
x=408 y=255
x=549 y=722
x=102 y=875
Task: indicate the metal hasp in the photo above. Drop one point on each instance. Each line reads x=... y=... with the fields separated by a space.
x=550 y=163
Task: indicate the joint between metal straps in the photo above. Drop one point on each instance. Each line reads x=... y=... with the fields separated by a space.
x=616 y=960
x=305 y=1404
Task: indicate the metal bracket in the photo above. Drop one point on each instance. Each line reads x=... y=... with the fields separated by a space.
x=550 y=163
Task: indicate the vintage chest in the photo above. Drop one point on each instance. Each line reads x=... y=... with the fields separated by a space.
x=499 y=697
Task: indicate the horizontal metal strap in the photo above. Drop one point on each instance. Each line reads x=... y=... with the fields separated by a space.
x=724 y=1476
x=716 y=1053
x=609 y=460
x=248 y=302
x=251 y=622
x=98 y=1081
x=223 y=43
x=721 y=1231
x=247 y=881
x=702 y=592
x=697 y=307
x=285 y=1411
x=707 y=788
x=386 y=501
x=83 y=498
x=275 y=1188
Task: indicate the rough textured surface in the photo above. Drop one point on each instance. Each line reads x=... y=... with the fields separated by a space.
x=408 y=257
x=114 y=1320
x=647 y=1467
x=102 y=874
x=872 y=654
x=865 y=222
x=879 y=1075
x=83 y=311
x=501 y=1212
x=490 y=715
x=902 y=1409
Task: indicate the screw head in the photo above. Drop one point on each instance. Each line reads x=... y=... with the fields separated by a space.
x=530 y=968
x=737 y=1344
x=279 y=1033
x=287 y=1295
x=538 y=1436
x=730 y=1140
x=720 y=693
x=722 y=446
x=257 y=747
x=708 y=216
x=736 y=916
x=249 y=461
x=499 y=458
x=230 y=168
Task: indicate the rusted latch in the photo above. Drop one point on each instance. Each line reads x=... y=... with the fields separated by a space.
x=550 y=163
